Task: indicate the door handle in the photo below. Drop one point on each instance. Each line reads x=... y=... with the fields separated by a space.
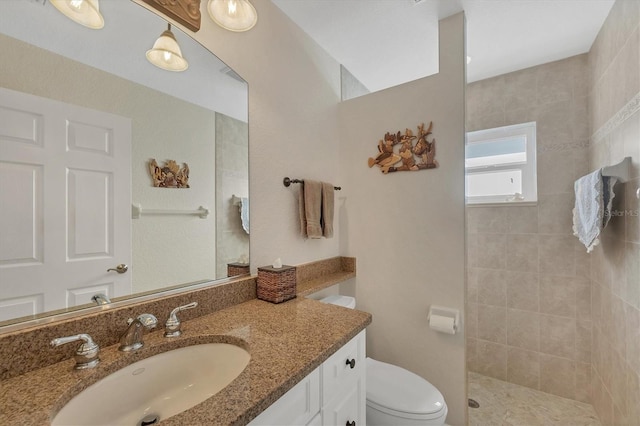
x=121 y=268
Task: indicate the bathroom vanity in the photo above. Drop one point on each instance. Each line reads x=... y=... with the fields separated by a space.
x=289 y=343
x=333 y=394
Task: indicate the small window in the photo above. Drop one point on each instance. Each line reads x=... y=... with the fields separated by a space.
x=500 y=165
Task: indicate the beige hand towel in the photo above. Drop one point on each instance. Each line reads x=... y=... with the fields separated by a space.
x=313 y=207
x=302 y=213
x=327 y=210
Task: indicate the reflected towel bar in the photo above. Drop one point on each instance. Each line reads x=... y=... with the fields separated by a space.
x=137 y=211
x=286 y=182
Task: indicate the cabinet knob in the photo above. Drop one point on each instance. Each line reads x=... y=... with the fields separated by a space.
x=351 y=363
x=353 y=423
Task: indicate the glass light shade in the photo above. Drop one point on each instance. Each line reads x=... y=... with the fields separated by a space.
x=166 y=53
x=233 y=15
x=84 y=12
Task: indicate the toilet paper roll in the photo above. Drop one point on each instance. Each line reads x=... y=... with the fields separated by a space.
x=442 y=324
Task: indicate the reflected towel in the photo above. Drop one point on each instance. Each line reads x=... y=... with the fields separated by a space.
x=244 y=213
x=327 y=210
x=313 y=208
x=592 y=211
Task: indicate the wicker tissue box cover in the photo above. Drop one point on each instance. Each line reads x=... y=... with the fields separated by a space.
x=234 y=269
x=276 y=285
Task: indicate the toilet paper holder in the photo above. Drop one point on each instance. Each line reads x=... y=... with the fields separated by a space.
x=443 y=319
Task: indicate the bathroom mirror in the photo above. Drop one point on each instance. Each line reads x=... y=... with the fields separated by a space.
x=82 y=114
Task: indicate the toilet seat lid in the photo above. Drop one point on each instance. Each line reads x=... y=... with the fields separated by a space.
x=396 y=391
x=344 y=301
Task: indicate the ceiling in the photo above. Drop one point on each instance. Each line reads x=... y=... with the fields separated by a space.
x=384 y=43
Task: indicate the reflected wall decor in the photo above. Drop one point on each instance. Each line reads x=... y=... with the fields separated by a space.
x=171 y=175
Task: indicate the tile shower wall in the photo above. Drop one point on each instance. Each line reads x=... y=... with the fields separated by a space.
x=232 y=178
x=529 y=295
x=614 y=107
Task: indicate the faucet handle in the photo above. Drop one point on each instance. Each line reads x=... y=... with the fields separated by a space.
x=87 y=353
x=172 y=326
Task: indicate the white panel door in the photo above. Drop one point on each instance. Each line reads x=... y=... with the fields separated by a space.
x=65 y=198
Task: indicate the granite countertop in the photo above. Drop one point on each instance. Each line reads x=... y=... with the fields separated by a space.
x=286 y=341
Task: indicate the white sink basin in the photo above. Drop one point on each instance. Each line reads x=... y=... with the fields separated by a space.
x=162 y=385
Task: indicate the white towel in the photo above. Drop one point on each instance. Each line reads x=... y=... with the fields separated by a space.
x=592 y=211
x=244 y=213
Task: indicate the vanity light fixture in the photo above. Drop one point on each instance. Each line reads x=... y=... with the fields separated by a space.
x=166 y=53
x=233 y=15
x=84 y=12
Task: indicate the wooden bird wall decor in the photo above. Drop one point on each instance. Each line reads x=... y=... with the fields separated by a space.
x=408 y=157
x=170 y=175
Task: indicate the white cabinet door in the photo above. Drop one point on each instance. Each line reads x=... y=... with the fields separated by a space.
x=316 y=421
x=299 y=406
x=343 y=385
x=344 y=367
x=346 y=409
x=65 y=199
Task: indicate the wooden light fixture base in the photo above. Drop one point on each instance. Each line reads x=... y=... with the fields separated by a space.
x=186 y=12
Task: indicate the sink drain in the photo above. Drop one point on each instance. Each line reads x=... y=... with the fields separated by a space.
x=151 y=419
x=473 y=403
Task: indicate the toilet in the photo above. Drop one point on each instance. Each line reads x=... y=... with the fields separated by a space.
x=396 y=396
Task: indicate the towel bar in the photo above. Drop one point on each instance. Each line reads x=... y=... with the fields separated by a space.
x=137 y=211
x=619 y=171
x=235 y=200
x=287 y=182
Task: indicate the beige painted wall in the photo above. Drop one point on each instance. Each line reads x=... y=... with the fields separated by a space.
x=232 y=179
x=614 y=105
x=407 y=228
x=294 y=92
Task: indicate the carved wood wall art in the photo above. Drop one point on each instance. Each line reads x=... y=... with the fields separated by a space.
x=170 y=175
x=404 y=158
x=186 y=12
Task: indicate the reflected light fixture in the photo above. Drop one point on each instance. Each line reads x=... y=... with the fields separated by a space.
x=166 y=53
x=84 y=12
x=233 y=15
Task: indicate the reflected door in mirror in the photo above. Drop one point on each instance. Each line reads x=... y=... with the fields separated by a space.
x=64 y=191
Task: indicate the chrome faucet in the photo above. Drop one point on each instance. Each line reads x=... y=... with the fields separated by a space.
x=173 y=325
x=87 y=353
x=101 y=299
x=131 y=340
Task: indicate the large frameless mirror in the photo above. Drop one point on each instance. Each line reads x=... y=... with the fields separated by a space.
x=88 y=127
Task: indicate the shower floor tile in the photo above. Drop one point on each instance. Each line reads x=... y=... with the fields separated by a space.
x=507 y=404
